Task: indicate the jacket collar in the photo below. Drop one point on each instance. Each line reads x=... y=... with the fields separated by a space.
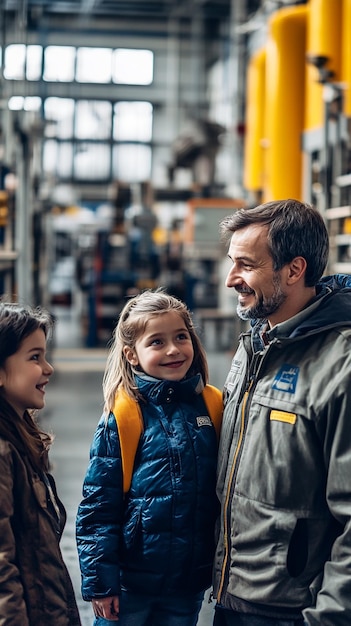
x=164 y=391
x=330 y=308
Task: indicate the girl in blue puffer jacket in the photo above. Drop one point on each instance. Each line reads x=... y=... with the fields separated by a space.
x=145 y=526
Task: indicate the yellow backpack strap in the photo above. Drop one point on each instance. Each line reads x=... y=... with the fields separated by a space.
x=130 y=426
x=214 y=401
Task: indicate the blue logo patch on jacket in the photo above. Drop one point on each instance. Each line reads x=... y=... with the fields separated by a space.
x=286 y=379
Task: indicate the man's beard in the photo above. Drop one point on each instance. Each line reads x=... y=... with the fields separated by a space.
x=263 y=308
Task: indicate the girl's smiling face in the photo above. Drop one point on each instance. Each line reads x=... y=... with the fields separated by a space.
x=165 y=349
x=26 y=373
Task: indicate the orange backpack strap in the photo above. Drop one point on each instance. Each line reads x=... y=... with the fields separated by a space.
x=130 y=426
x=214 y=401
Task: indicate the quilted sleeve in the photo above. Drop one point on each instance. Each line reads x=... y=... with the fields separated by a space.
x=11 y=590
x=100 y=514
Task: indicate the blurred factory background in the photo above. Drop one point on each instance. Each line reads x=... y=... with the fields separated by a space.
x=129 y=128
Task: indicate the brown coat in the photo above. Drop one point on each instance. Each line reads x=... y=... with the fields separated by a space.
x=35 y=587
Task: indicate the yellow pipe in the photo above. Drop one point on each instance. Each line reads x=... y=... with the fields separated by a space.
x=284 y=103
x=346 y=55
x=323 y=39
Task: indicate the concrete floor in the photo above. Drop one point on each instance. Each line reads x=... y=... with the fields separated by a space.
x=73 y=408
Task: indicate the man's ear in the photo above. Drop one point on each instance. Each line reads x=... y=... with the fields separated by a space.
x=130 y=355
x=296 y=270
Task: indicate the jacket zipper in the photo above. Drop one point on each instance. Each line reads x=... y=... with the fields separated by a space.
x=255 y=367
x=225 y=513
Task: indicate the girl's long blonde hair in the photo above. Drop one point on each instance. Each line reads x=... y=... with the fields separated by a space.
x=131 y=325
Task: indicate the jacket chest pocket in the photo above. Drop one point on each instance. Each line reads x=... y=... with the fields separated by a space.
x=281 y=461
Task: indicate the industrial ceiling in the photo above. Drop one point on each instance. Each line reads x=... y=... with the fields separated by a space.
x=210 y=10
x=121 y=8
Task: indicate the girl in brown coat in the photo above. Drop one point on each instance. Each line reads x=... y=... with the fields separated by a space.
x=35 y=587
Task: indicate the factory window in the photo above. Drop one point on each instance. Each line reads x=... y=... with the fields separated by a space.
x=58 y=158
x=83 y=149
x=23 y=62
x=132 y=121
x=25 y=103
x=132 y=67
x=34 y=62
x=131 y=162
x=59 y=63
x=14 y=62
x=59 y=111
x=94 y=65
x=91 y=161
x=93 y=119
x=88 y=139
x=80 y=161
x=83 y=64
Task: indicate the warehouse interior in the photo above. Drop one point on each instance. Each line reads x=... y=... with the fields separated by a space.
x=128 y=129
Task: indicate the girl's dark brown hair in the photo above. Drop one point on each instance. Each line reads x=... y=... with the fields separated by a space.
x=16 y=323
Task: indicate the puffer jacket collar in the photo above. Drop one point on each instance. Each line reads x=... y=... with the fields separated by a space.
x=158 y=391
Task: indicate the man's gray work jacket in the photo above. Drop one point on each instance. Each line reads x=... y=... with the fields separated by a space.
x=285 y=468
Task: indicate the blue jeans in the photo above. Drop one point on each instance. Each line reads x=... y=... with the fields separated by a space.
x=140 y=610
x=226 y=617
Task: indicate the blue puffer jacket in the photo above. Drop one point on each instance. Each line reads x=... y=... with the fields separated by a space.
x=159 y=538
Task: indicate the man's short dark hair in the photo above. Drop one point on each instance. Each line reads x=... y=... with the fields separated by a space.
x=294 y=229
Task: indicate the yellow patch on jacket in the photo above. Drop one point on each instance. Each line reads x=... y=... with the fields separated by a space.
x=282 y=416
